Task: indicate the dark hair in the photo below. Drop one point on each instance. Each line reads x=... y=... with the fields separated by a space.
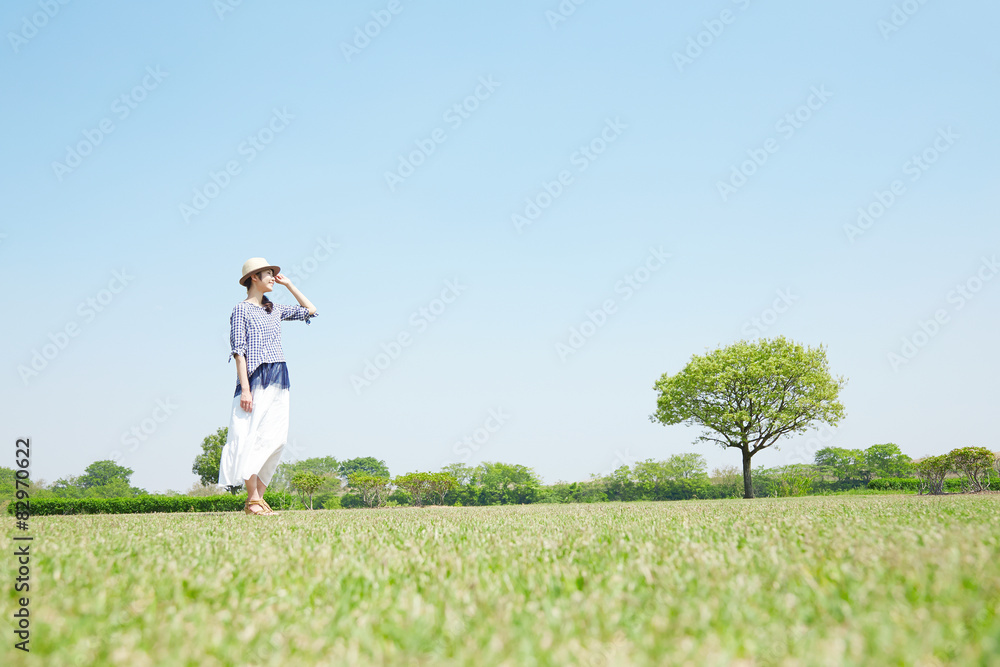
x=266 y=303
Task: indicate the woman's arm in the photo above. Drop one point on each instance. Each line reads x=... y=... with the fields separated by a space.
x=246 y=398
x=281 y=279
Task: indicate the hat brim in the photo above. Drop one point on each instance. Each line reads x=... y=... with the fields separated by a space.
x=244 y=280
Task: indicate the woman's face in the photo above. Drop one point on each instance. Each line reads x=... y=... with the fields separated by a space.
x=265 y=281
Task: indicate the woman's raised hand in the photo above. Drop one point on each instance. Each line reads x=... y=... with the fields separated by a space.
x=282 y=279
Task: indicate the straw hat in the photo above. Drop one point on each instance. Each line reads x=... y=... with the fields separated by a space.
x=255 y=264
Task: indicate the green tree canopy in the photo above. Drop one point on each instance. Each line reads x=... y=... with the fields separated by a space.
x=102 y=473
x=373 y=489
x=931 y=471
x=326 y=467
x=750 y=394
x=651 y=475
x=101 y=479
x=365 y=464
x=206 y=464
x=506 y=483
x=8 y=485
x=116 y=488
x=417 y=484
x=461 y=472
x=307 y=482
x=975 y=463
x=686 y=466
x=441 y=483
x=886 y=460
x=845 y=465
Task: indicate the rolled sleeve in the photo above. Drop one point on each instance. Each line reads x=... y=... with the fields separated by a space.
x=238 y=333
x=295 y=313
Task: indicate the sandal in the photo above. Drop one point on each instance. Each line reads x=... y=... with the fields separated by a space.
x=246 y=507
x=267 y=507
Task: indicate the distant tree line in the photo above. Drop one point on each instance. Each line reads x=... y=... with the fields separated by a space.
x=326 y=483
x=101 y=479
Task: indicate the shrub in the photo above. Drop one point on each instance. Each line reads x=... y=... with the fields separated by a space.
x=399 y=497
x=895 y=484
x=351 y=500
x=931 y=472
x=147 y=504
x=913 y=484
x=976 y=463
x=373 y=489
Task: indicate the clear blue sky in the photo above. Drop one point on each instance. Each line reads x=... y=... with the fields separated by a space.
x=117 y=115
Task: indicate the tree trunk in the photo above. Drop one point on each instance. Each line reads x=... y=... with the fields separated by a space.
x=747 y=484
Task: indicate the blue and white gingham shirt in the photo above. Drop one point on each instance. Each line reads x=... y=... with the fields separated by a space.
x=256 y=335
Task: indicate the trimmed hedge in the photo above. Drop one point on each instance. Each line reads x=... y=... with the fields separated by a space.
x=951 y=485
x=146 y=504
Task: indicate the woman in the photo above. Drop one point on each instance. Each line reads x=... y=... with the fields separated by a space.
x=258 y=426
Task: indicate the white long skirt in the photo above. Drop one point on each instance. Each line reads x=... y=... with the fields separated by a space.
x=256 y=438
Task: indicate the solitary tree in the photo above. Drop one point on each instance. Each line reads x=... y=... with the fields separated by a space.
x=307 y=483
x=206 y=464
x=931 y=472
x=373 y=489
x=441 y=483
x=326 y=467
x=102 y=473
x=417 y=484
x=750 y=394
x=975 y=462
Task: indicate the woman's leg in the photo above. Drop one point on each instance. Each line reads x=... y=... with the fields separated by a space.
x=253 y=493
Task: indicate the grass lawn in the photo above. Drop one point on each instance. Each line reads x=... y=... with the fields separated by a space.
x=836 y=580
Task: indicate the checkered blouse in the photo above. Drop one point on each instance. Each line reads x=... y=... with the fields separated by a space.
x=256 y=335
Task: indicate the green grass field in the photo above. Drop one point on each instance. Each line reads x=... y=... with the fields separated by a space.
x=894 y=580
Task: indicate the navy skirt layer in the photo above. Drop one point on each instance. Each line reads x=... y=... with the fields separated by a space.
x=265 y=375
